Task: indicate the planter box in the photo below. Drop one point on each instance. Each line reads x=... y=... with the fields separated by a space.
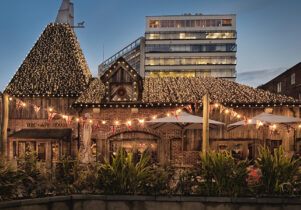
x=130 y=202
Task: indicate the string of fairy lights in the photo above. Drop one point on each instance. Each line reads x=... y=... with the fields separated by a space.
x=233 y=115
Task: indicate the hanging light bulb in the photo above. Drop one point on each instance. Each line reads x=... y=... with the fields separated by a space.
x=227 y=111
x=24 y=104
x=141 y=121
x=216 y=105
x=77 y=119
x=274 y=126
x=249 y=121
x=168 y=114
x=129 y=123
x=299 y=126
x=10 y=98
x=103 y=122
x=90 y=121
x=50 y=109
x=116 y=122
x=154 y=117
x=260 y=123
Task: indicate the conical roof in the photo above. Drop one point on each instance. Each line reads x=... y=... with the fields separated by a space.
x=55 y=66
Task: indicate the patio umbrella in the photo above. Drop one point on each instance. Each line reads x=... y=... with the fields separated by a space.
x=269 y=119
x=183 y=121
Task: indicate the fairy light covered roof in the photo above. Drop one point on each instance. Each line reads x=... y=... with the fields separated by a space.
x=184 y=90
x=55 y=66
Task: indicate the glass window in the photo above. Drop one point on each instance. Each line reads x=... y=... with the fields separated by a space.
x=171 y=23
x=191 y=61
x=180 y=23
x=192 y=23
x=293 y=78
x=203 y=23
x=218 y=23
x=278 y=87
x=208 y=23
x=164 y=23
x=198 y=23
x=212 y=23
x=154 y=23
x=227 y=22
x=188 y=23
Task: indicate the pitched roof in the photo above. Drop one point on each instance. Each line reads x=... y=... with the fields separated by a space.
x=191 y=89
x=54 y=66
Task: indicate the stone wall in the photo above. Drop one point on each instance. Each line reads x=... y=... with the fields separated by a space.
x=102 y=202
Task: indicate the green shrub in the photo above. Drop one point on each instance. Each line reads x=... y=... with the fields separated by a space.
x=34 y=182
x=279 y=172
x=187 y=182
x=222 y=174
x=9 y=180
x=123 y=176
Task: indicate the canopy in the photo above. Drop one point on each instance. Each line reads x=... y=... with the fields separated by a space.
x=184 y=121
x=270 y=119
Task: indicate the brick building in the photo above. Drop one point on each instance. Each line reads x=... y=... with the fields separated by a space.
x=287 y=83
x=55 y=107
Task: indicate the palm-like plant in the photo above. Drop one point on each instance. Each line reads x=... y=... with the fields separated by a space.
x=222 y=174
x=279 y=172
x=123 y=176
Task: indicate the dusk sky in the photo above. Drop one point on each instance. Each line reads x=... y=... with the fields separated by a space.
x=269 y=31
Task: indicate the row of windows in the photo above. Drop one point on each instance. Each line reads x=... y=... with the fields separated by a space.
x=192 y=48
x=189 y=23
x=190 y=73
x=191 y=35
x=190 y=61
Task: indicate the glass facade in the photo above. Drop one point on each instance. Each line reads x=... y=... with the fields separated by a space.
x=190 y=23
x=191 y=73
x=190 y=35
x=191 y=48
x=190 y=61
x=130 y=53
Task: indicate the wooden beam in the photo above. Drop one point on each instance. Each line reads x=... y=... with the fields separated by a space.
x=205 y=145
x=4 y=125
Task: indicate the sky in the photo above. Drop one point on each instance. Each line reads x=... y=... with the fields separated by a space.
x=269 y=31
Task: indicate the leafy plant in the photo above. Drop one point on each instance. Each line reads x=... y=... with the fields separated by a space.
x=222 y=174
x=188 y=181
x=34 y=182
x=9 y=180
x=279 y=172
x=123 y=176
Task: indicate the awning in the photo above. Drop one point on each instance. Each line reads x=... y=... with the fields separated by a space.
x=42 y=134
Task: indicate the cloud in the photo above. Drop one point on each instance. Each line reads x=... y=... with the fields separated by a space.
x=258 y=77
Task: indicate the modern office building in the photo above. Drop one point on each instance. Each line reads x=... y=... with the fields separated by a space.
x=185 y=45
x=132 y=53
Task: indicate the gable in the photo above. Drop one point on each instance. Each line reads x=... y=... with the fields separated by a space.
x=122 y=83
